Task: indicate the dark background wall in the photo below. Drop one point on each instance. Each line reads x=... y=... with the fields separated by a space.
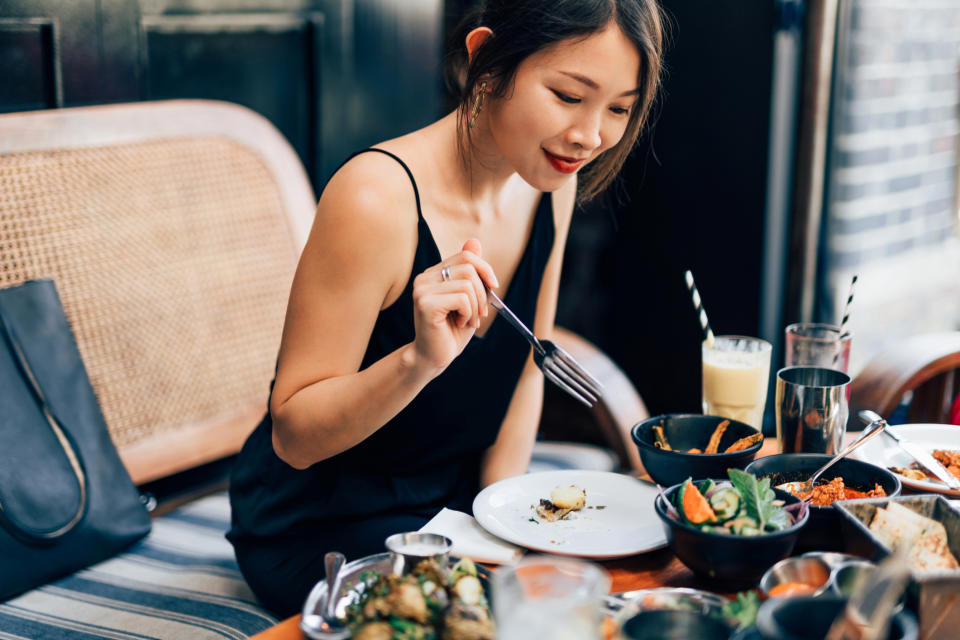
x=332 y=75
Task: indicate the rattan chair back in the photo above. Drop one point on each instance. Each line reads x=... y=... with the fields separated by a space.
x=171 y=230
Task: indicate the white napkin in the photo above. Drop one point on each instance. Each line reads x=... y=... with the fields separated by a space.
x=470 y=539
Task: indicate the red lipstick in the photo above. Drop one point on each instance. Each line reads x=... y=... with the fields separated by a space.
x=562 y=164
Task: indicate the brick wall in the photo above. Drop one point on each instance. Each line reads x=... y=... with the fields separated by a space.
x=892 y=192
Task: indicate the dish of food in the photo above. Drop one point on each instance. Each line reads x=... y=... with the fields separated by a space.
x=686 y=431
x=925 y=539
x=826 y=493
x=429 y=603
x=617 y=518
x=712 y=445
x=563 y=502
x=739 y=612
x=745 y=506
x=949 y=459
x=737 y=555
x=885 y=452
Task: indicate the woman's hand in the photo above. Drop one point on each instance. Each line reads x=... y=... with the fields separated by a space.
x=447 y=312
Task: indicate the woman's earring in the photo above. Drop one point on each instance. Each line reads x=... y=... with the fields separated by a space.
x=477 y=105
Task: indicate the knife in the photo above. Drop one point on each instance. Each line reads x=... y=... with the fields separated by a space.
x=918 y=452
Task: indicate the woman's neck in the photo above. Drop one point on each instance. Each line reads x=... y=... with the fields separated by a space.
x=473 y=168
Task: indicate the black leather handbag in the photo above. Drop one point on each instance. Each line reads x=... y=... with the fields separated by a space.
x=66 y=500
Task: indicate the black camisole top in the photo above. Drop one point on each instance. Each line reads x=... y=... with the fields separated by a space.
x=428 y=456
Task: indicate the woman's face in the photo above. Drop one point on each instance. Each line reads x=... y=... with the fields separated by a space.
x=569 y=103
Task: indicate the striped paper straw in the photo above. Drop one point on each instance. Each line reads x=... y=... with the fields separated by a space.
x=844 y=322
x=845 y=319
x=698 y=306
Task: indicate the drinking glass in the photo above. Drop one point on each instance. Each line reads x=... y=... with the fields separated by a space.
x=811 y=409
x=549 y=597
x=812 y=344
x=736 y=371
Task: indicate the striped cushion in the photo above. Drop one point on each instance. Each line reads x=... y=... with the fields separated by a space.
x=180 y=583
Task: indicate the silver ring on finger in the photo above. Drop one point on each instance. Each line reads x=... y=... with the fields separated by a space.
x=445 y=273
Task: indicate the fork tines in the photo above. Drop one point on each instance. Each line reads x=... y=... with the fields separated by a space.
x=561 y=369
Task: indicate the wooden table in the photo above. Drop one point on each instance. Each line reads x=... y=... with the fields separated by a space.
x=654 y=569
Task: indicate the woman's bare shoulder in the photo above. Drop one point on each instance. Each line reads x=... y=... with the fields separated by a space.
x=372 y=187
x=366 y=222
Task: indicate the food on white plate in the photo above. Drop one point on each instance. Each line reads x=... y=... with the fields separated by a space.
x=897 y=526
x=911 y=473
x=949 y=459
x=562 y=501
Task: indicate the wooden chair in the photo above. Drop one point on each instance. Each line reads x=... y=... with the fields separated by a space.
x=171 y=230
x=927 y=366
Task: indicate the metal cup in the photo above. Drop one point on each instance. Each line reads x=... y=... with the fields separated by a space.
x=852 y=575
x=808 y=570
x=407 y=550
x=811 y=409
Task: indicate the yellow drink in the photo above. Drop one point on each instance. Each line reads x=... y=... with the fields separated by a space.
x=736 y=371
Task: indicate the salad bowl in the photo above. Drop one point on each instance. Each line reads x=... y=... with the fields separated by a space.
x=728 y=556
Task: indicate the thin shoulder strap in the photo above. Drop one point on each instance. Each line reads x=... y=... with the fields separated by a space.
x=416 y=192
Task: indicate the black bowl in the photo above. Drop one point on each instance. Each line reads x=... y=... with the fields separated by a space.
x=809 y=618
x=688 y=431
x=823 y=531
x=727 y=561
x=674 y=625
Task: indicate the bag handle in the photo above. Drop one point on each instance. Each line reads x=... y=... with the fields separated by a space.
x=66 y=443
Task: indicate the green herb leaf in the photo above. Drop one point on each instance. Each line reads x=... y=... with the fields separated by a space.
x=759 y=500
x=778 y=520
x=749 y=489
x=400 y=624
x=743 y=609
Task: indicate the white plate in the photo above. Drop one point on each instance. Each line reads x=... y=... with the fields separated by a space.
x=884 y=451
x=627 y=524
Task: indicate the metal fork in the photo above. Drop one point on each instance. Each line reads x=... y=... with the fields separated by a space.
x=557 y=365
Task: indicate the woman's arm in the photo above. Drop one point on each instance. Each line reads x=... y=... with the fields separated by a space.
x=510 y=454
x=356 y=262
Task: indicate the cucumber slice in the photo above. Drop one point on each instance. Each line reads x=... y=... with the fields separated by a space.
x=725 y=503
x=743 y=526
x=678 y=498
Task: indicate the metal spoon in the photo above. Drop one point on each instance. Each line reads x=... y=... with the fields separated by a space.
x=326 y=625
x=875 y=428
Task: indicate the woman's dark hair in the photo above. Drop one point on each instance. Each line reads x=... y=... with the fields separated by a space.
x=523 y=27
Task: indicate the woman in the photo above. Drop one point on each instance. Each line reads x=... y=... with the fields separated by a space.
x=397 y=393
